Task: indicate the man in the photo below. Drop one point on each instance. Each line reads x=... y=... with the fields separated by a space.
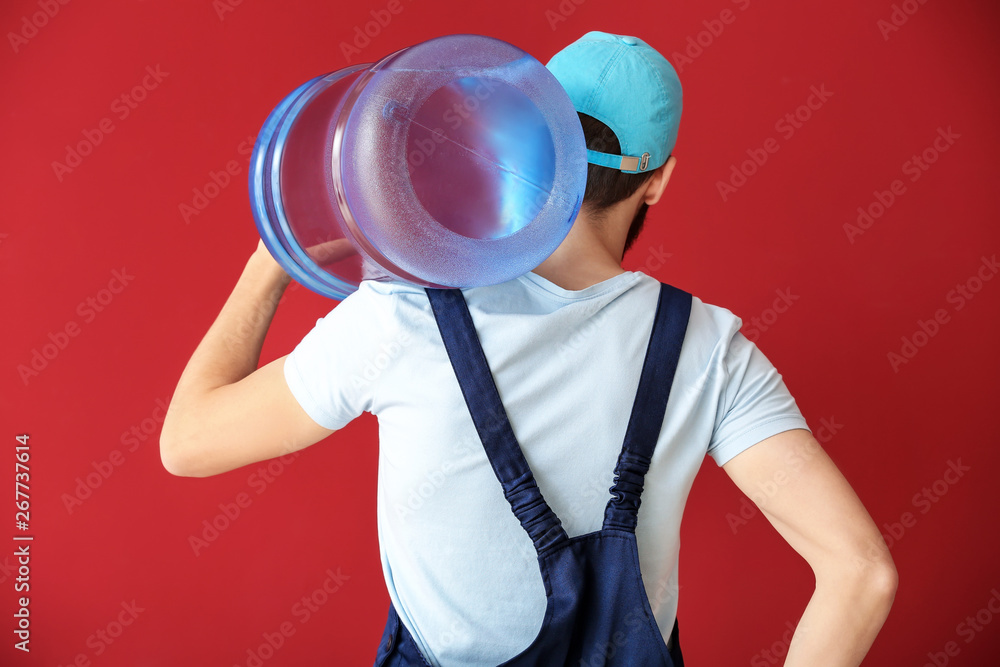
x=566 y=345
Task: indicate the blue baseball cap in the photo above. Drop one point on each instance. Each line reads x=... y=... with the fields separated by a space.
x=629 y=86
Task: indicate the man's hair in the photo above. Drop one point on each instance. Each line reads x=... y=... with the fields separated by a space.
x=606 y=186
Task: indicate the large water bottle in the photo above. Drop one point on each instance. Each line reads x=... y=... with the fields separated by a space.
x=456 y=162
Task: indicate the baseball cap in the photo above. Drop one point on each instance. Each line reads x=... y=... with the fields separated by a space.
x=629 y=86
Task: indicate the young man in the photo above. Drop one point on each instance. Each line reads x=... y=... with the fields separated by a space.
x=565 y=365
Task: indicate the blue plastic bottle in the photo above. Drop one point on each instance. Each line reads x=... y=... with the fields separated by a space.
x=456 y=162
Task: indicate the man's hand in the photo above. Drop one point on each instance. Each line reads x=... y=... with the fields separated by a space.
x=226 y=413
x=330 y=252
x=268 y=265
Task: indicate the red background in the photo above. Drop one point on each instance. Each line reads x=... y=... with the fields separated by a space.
x=63 y=235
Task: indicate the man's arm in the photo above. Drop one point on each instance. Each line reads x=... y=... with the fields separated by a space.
x=817 y=512
x=225 y=412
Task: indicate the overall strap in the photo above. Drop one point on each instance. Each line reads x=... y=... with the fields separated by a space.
x=480 y=391
x=673 y=310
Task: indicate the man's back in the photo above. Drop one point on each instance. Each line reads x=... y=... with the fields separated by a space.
x=460 y=570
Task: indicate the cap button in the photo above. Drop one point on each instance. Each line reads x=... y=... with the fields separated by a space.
x=631 y=41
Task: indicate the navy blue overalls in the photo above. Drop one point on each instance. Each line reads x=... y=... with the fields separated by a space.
x=597 y=611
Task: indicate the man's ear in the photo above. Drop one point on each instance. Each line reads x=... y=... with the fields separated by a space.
x=657 y=183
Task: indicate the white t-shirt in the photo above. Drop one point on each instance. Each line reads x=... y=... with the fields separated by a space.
x=461 y=572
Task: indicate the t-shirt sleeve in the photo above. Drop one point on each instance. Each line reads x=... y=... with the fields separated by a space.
x=754 y=403
x=326 y=371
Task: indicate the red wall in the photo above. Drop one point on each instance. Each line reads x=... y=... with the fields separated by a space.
x=110 y=228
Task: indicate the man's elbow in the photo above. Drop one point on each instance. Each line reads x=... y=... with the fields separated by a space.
x=879 y=590
x=173 y=456
x=885 y=582
x=170 y=458
x=874 y=580
x=880 y=575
